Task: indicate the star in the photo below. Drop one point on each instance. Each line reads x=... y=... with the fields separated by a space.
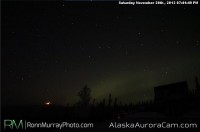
x=130 y=17
x=117 y=17
x=197 y=43
x=162 y=30
x=82 y=48
x=126 y=52
x=177 y=42
x=96 y=25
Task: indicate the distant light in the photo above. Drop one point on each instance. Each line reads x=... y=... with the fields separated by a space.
x=118 y=117
x=48 y=103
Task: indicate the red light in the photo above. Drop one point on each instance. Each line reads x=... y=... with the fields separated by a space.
x=48 y=103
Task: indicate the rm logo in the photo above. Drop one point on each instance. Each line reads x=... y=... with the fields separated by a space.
x=12 y=124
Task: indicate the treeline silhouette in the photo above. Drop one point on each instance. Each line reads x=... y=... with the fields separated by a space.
x=178 y=101
x=173 y=100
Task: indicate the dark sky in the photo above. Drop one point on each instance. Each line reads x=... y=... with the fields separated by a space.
x=50 y=50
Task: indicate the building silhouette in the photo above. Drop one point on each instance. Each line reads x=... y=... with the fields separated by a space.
x=171 y=92
x=197 y=91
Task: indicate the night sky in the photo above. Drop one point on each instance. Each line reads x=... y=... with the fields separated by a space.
x=50 y=50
